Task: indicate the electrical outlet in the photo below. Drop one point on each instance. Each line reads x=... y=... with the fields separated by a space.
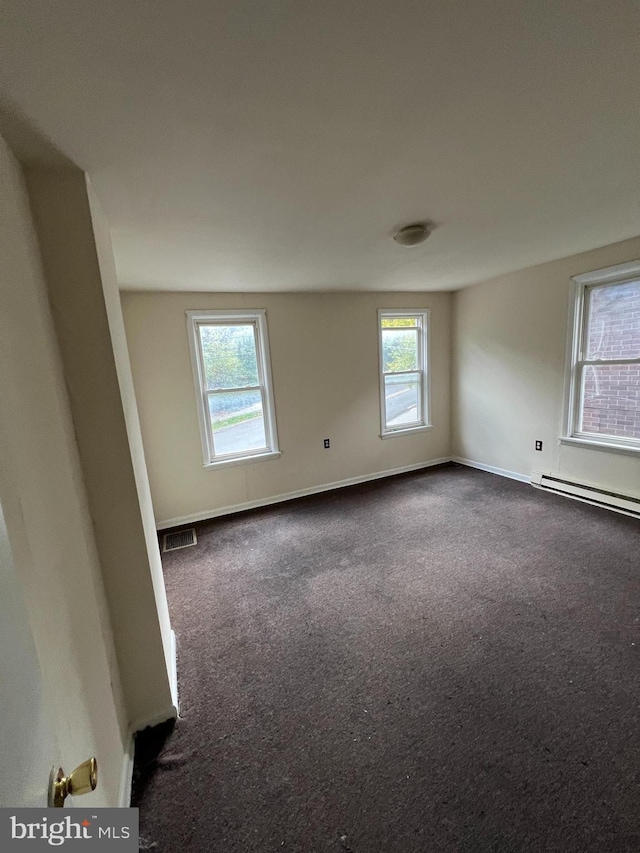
x=326 y=444
x=538 y=445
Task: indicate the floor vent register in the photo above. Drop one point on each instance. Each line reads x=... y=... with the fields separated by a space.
x=180 y=539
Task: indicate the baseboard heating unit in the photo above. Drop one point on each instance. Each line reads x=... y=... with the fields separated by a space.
x=590 y=494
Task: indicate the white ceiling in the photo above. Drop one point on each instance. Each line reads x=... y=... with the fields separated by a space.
x=277 y=144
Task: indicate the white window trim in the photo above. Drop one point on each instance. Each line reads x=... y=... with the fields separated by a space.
x=259 y=318
x=580 y=285
x=424 y=367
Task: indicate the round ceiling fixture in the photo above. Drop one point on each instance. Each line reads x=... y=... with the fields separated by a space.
x=412 y=235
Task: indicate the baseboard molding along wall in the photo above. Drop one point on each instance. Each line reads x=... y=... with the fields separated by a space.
x=126 y=779
x=173 y=674
x=300 y=493
x=154 y=719
x=128 y=761
x=502 y=472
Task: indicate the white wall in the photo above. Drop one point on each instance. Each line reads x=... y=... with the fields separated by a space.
x=46 y=510
x=510 y=338
x=27 y=739
x=125 y=380
x=324 y=355
x=77 y=294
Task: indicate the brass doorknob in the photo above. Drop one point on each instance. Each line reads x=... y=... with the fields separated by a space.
x=83 y=780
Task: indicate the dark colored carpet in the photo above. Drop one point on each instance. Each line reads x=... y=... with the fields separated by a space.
x=441 y=661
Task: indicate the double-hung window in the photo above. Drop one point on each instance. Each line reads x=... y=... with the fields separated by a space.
x=404 y=362
x=230 y=358
x=603 y=363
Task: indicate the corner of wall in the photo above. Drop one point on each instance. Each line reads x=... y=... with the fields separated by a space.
x=80 y=304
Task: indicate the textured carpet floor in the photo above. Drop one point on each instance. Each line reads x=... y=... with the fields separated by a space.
x=441 y=661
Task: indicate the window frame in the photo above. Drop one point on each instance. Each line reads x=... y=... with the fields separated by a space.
x=424 y=364
x=215 y=317
x=581 y=288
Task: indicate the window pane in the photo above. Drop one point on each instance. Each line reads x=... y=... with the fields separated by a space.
x=402 y=399
x=237 y=421
x=397 y=322
x=229 y=356
x=399 y=349
x=614 y=322
x=611 y=400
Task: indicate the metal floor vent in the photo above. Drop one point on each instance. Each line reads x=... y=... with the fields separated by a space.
x=181 y=539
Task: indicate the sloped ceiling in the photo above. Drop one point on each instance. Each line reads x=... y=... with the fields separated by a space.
x=277 y=144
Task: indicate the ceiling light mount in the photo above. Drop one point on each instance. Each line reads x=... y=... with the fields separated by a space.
x=413 y=234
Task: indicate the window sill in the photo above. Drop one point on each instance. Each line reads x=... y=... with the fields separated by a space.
x=595 y=444
x=409 y=431
x=242 y=460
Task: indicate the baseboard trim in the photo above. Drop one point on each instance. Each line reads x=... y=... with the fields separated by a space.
x=173 y=675
x=126 y=778
x=300 y=493
x=502 y=472
x=154 y=719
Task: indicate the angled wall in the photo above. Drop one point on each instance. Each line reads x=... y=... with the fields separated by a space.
x=62 y=214
x=113 y=307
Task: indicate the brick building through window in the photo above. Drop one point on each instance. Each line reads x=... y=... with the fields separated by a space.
x=611 y=392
